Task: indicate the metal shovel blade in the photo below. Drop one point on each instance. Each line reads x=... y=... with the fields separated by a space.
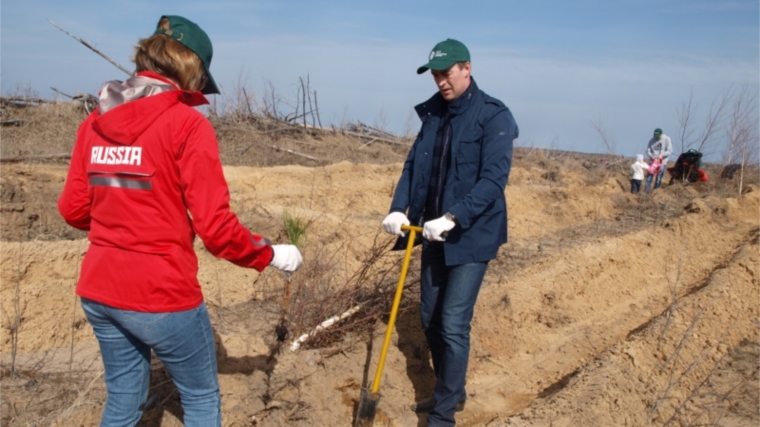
x=365 y=414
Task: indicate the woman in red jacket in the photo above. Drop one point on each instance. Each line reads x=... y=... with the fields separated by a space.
x=145 y=178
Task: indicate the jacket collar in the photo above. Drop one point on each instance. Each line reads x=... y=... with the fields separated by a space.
x=146 y=96
x=436 y=104
x=141 y=85
x=461 y=104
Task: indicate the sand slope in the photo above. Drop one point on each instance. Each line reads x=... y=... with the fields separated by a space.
x=604 y=308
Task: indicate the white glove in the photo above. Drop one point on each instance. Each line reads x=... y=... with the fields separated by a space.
x=393 y=222
x=433 y=229
x=286 y=258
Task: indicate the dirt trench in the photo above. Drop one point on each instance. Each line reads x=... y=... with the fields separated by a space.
x=568 y=309
x=693 y=364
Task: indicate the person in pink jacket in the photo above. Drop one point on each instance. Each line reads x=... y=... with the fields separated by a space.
x=145 y=179
x=653 y=172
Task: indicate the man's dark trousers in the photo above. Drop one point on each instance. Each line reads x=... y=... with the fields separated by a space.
x=447 y=304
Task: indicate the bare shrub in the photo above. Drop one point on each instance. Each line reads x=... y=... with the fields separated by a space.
x=703 y=138
x=607 y=141
x=37 y=399
x=322 y=288
x=14 y=315
x=743 y=147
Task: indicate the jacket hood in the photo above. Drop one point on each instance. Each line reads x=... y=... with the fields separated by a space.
x=127 y=108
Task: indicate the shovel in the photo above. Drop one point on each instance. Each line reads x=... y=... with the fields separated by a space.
x=365 y=415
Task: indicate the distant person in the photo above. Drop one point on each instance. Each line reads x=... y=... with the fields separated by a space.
x=453 y=184
x=639 y=169
x=145 y=178
x=659 y=148
x=687 y=168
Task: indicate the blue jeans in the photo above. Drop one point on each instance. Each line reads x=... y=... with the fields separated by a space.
x=657 y=181
x=183 y=340
x=448 y=295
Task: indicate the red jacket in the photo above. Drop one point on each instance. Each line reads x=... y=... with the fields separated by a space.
x=145 y=177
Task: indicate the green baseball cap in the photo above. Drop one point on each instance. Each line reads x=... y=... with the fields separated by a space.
x=194 y=38
x=445 y=54
x=658 y=131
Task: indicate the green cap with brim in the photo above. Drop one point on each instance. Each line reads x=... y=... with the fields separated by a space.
x=194 y=38
x=445 y=54
x=658 y=131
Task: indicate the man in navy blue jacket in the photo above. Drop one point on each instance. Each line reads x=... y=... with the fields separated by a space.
x=453 y=185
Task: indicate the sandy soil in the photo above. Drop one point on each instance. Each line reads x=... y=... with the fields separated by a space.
x=605 y=309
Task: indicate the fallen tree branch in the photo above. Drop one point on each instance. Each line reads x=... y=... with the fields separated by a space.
x=370 y=142
x=62 y=92
x=16 y=159
x=290 y=124
x=89 y=102
x=375 y=138
x=296 y=344
x=361 y=127
x=294 y=152
x=257 y=132
x=93 y=48
x=24 y=100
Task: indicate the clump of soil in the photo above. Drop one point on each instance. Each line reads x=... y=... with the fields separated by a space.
x=28 y=204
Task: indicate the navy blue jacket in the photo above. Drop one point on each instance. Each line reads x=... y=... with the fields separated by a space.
x=481 y=157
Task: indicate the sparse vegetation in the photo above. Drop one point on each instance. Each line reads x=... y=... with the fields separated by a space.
x=320 y=290
x=576 y=234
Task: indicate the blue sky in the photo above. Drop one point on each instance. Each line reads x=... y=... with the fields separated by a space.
x=558 y=65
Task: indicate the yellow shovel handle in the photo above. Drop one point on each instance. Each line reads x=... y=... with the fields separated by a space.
x=396 y=302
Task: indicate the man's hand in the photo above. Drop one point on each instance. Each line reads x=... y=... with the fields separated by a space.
x=393 y=222
x=286 y=258
x=433 y=229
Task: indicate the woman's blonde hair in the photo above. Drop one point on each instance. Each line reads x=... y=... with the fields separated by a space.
x=171 y=59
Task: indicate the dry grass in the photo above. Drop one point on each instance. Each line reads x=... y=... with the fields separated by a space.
x=249 y=144
x=46 y=129
x=244 y=139
x=35 y=399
